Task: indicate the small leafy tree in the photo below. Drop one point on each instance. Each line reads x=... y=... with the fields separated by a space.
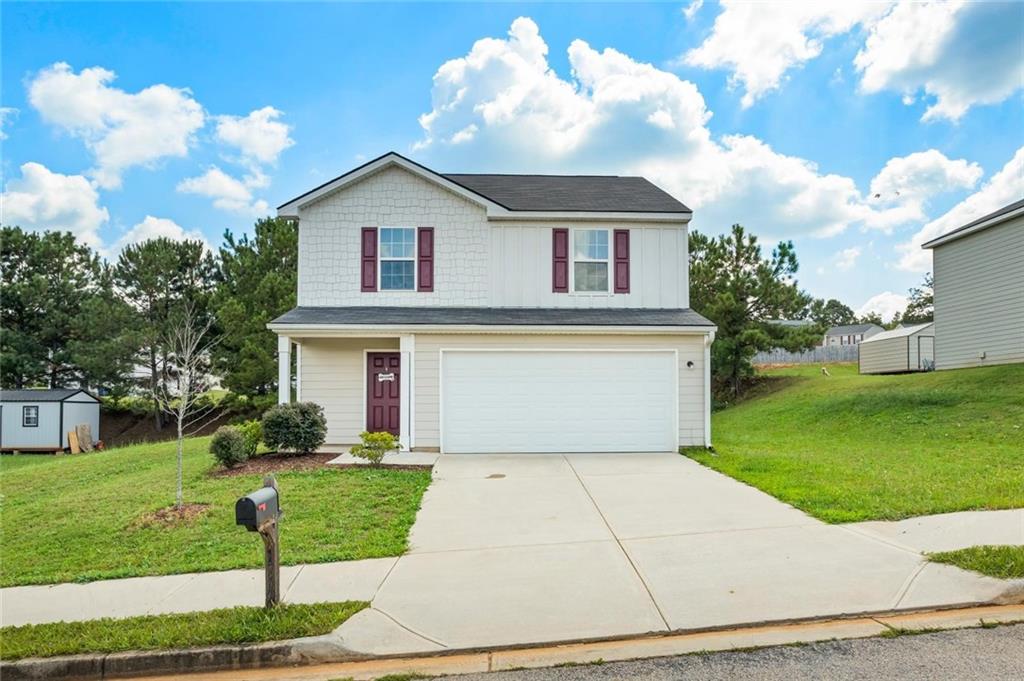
x=252 y=433
x=374 y=446
x=228 y=446
x=299 y=427
x=921 y=306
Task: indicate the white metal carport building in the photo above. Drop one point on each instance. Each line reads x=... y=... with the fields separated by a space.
x=39 y=420
x=905 y=348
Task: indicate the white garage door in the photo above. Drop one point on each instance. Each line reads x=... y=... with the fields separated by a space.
x=558 y=401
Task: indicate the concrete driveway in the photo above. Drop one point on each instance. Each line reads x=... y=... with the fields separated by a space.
x=515 y=549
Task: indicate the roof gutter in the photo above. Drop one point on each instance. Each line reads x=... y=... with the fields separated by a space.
x=386 y=330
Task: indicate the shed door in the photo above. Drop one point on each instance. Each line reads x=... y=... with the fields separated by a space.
x=558 y=401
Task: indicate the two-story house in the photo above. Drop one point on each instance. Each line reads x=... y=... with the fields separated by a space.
x=496 y=313
x=850 y=334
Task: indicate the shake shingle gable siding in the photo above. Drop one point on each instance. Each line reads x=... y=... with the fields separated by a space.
x=490 y=316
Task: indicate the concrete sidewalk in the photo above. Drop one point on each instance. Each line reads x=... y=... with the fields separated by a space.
x=344 y=581
x=949 y=531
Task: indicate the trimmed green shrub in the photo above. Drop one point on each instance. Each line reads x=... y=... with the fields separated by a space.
x=375 y=446
x=228 y=447
x=299 y=427
x=252 y=431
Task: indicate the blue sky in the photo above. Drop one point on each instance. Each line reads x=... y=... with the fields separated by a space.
x=123 y=121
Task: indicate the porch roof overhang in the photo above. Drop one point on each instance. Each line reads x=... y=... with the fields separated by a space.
x=376 y=320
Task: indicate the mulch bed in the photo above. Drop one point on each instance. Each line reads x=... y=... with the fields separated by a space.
x=277 y=463
x=172 y=515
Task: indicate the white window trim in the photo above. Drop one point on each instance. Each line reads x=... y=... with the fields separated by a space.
x=414 y=259
x=573 y=260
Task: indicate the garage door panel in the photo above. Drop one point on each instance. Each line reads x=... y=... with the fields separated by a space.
x=552 y=401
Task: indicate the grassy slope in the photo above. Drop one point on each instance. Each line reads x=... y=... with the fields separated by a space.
x=76 y=517
x=187 y=630
x=1005 y=562
x=851 y=447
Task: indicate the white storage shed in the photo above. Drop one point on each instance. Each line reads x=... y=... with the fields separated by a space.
x=39 y=420
x=905 y=348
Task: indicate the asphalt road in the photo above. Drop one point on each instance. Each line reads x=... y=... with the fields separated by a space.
x=966 y=654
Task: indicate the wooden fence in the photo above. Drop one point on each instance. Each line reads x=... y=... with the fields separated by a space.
x=818 y=355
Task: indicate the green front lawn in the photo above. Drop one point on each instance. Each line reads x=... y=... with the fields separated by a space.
x=1004 y=562
x=848 y=447
x=77 y=518
x=164 y=632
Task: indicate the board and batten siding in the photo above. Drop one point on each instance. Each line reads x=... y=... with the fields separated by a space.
x=428 y=378
x=477 y=262
x=979 y=298
x=333 y=375
x=44 y=436
x=79 y=409
x=521 y=256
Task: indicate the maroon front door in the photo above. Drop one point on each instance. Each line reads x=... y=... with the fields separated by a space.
x=382 y=397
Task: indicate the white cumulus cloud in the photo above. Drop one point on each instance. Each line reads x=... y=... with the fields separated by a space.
x=121 y=129
x=7 y=114
x=259 y=137
x=759 y=42
x=843 y=261
x=1004 y=187
x=155 y=228
x=44 y=200
x=228 y=193
x=959 y=54
x=886 y=304
x=502 y=102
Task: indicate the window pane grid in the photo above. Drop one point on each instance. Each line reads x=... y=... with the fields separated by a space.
x=397 y=258
x=591 y=244
x=590 y=260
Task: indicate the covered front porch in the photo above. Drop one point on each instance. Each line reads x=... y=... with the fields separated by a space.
x=363 y=382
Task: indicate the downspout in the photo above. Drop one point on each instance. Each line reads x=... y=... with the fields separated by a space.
x=708 y=340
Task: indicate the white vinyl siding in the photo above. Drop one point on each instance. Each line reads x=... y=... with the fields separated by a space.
x=898 y=354
x=333 y=375
x=979 y=298
x=689 y=348
x=79 y=409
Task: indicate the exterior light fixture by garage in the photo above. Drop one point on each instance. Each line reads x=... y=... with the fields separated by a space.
x=259 y=512
x=689 y=364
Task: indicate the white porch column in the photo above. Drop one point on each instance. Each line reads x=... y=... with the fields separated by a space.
x=284 y=369
x=406 y=348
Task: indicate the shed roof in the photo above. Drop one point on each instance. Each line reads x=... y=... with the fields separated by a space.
x=850 y=328
x=898 y=332
x=41 y=395
x=492 y=316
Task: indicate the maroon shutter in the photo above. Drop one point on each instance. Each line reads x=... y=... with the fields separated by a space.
x=560 y=260
x=425 y=259
x=368 y=259
x=622 y=261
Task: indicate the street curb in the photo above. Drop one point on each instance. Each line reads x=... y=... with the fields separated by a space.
x=318 y=655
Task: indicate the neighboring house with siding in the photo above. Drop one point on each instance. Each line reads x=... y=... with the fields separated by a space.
x=496 y=313
x=979 y=291
x=850 y=334
x=39 y=420
x=899 y=350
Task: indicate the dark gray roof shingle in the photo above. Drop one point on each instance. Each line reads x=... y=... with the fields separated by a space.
x=492 y=316
x=40 y=395
x=598 y=193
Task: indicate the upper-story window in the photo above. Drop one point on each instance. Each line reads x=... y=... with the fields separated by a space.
x=30 y=417
x=590 y=260
x=397 y=258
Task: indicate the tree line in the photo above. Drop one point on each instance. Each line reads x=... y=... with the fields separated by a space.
x=68 y=317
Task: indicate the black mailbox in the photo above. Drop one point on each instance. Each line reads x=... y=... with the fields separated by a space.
x=253 y=510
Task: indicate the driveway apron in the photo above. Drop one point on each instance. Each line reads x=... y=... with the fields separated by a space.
x=518 y=549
